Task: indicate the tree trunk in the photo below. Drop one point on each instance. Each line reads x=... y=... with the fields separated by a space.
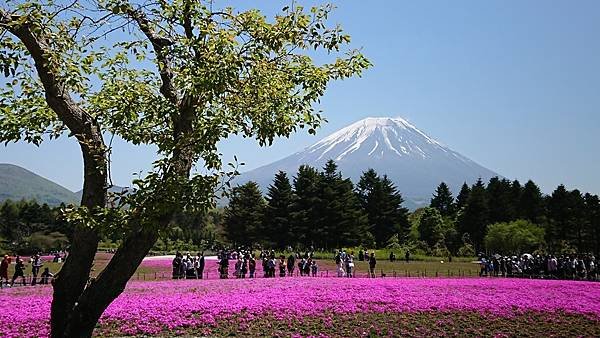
x=73 y=277
x=102 y=291
x=78 y=302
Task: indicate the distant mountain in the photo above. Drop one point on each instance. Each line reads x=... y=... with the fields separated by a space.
x=415 y=162
x=17 y=183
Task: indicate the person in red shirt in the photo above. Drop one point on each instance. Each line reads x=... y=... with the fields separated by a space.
x=4 y=271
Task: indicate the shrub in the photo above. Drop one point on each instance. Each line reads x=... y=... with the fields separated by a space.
x=466 y=250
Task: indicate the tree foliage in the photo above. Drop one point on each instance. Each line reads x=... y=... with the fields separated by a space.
x=443 y=201
x=514 y=238
x=278 y=223
x=431 y=227
x=383 y=204
x=179 y=75
x=245 y=214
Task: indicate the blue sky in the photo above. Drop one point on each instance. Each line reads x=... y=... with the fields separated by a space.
x=513 y=85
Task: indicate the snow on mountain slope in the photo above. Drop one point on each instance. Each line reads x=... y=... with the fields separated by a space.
x=415 y=162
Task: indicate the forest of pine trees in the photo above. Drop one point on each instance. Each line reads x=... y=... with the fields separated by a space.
x=320 y=208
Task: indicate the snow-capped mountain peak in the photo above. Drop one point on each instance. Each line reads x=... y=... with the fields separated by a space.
x=381 y=135
x=414 y=161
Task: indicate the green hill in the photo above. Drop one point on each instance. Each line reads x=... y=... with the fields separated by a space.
x=17 y=183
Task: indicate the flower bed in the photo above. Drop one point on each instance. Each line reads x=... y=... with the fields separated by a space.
x=203 y=307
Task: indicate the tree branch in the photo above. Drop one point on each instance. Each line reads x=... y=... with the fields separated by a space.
x=160 y=46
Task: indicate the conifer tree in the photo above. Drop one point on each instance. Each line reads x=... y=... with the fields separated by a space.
x=383 y=205
x=278 y=224
x=443 y=200
x=531 y=203
x=560 y=214
x=500 y=204
x=245 y=214
x=306 y=218
x=475 y=216
x=516 y=190
x=577 y=218
x=463 y=196
x=592 y=205
x=344 y=222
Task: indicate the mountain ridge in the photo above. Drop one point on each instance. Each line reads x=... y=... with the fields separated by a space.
x=17 y=183
x=413 y=160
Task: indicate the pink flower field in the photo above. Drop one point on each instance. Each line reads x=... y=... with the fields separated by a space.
x=306 y=306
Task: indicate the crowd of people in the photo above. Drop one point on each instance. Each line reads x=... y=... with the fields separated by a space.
x=272 y=265
x=188 y=267
x=578 y=267
x=36 y=265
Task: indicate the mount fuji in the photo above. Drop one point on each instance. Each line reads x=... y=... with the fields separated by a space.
x=415 y=162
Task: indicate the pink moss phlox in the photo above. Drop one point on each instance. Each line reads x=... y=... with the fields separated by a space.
x=152 y=307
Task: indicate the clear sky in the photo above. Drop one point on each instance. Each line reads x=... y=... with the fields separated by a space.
x=513 y=85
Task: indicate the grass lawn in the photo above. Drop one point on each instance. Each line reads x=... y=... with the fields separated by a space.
x=327 y=267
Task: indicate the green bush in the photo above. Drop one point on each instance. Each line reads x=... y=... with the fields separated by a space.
x=514 y=237
x=45 y=242
x=466 y=250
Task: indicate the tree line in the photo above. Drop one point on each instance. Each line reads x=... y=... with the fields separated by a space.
x=322 y=209
x=501 y=212
x=318 y=208
x=27 y=226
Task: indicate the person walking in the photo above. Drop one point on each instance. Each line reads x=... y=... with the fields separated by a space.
x=282 y=266
x=46 y=276
x=251 y=266
x=407 y=256
x=201 y=264
x=176 y=265
x=4 y=271
x=350 y=265
x=314 y=268
x=19 y=271
x=372 y=264
x=35 y=268
x=291 y=264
